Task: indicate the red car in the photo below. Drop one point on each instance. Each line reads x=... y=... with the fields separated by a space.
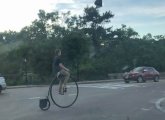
x=141 y=74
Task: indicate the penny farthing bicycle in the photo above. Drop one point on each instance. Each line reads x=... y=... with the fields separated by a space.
x=65 y=100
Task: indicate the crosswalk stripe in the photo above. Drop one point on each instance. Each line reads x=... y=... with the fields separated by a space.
x=110 y=86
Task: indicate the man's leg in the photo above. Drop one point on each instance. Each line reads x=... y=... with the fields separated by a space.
x=61 y=83
x=61 y=87
x=66 y=77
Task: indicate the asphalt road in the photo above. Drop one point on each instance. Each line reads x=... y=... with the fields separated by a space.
x=100 y=101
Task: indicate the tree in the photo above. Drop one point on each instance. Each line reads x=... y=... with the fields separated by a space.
x=148 y=37
x=159 y=37
x=124 y=33
x=93 y=25
x=8 y=37
x=75 y=48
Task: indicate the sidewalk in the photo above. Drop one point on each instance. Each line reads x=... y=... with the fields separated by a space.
x=80 y=82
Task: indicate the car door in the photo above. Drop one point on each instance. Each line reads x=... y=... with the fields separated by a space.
x=152 y=73
x=146 y=73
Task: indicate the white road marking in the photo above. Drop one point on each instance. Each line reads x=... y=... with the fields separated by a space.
x=145 y=109
x=33 y=98
x=114 y=86
x=72 y=94
x=158 y=104
x=110 y=85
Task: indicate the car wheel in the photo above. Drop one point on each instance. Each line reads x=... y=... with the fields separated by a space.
x=126 y=81
x=140 y=79
x=156 y=79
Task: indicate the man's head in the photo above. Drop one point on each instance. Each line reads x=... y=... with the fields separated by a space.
x=57 y=52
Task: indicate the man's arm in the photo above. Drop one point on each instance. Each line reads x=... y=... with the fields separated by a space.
x=63 y=67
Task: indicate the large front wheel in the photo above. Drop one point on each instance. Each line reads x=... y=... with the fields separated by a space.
x=70 y=92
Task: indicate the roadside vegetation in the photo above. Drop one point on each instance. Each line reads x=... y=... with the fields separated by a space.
x=91 y=47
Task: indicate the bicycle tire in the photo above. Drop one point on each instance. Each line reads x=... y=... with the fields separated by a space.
x=64 y=101
x=44 y=104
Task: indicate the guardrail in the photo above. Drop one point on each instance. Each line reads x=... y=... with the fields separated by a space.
x=119 y=75
x=115 y=75
x=33 y=79
x=162 y=75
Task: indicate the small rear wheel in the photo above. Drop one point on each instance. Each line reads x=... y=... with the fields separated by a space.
x=44 y=104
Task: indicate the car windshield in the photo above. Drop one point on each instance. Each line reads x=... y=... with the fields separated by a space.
x=138 y=69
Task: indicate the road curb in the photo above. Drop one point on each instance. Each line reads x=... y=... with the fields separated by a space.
x=25 y=86
x=100 y=81
x=80 y=82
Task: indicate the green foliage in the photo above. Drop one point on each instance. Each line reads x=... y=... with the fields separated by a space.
x=8 y=37
x=75 y=47
x=76 y=36
x=93 y=25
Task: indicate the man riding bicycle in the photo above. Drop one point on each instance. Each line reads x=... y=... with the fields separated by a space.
x=58 y=67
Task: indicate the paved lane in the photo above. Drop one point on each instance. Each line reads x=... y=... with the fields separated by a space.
x=101 y=101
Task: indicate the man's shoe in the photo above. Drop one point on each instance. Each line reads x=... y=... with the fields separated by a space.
x=61 y=92
x=65 y=89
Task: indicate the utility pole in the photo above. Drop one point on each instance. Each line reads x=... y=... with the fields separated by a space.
x=26 y=80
